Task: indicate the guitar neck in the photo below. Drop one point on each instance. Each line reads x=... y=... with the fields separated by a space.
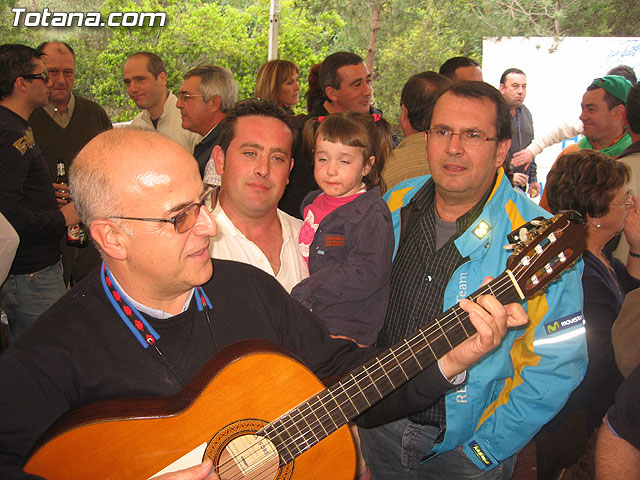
x=310 y=422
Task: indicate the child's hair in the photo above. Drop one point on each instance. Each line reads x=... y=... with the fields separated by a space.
x=370 y=132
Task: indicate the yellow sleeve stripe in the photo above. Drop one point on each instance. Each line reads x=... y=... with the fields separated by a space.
x=522 y=351
x=396 y=198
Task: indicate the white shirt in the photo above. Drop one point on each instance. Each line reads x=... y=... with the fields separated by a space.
x=169 y=124
x=231 y=244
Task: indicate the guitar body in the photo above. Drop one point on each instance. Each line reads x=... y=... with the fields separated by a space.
x=244 y=387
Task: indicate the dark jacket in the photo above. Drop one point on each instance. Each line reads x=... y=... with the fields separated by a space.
x=522 y=136
x=27 y=198
x=350 y=267
x=202 y=151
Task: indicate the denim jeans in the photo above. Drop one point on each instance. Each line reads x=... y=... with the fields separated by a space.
x=395 y=452
x=24 y=297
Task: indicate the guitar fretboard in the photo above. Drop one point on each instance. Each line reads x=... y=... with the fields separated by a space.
x=307 y=424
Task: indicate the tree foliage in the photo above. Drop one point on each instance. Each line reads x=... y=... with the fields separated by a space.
x=410 y=36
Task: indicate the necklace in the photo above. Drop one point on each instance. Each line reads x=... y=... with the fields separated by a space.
x=610 y=270
x=139 y=326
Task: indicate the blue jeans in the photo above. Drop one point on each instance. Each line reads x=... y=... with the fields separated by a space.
x=395 y=451
x=24 y=297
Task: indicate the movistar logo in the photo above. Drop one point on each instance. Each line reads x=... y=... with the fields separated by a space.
x=563 y=323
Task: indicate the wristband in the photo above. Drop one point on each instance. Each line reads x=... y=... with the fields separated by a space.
x=634 y=254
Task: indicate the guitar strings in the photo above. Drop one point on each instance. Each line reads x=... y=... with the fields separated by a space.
x=518 y=272
x=446 y=321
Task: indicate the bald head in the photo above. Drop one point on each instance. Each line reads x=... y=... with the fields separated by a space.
x=117 y=166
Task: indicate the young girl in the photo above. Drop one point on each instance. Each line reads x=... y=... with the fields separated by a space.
x=347 y=237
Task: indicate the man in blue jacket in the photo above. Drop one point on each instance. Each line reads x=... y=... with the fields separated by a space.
x=450 y=231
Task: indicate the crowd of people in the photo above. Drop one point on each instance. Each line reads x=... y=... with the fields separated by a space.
x=212 y=220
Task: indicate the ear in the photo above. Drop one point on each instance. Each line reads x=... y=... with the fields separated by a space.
x=215 y=102
x=502 y=89
x=20 y=85
x=111 y=238
x=368 y=165
x=501 y=151
x=404 y=114
x=290 y=168
x=330 y=93
x=593 y=222
x=218 y=159
x=162 y=76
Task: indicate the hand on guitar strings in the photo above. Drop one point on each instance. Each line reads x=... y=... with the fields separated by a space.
x=198 y=472
x=491 y=320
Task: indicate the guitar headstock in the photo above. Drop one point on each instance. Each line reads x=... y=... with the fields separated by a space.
x=544 y=251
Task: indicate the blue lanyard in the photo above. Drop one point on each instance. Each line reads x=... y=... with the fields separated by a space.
x=137 y=324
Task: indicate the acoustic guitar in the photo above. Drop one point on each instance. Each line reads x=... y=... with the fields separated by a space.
x=261 y=415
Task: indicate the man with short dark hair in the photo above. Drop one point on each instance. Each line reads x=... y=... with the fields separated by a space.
x=513 y=87
x=251 y=228
x=603 y=118
x=206 y=94
x=145 y=324
x=145 y=77
x=61 y=129
x=27 y=198
x=408 y=159
x=346 y=85
x=451 y=228
x=461 y=68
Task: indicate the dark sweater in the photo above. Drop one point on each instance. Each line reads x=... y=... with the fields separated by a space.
x=87 y=121
x=27 y=198
x=80 y=351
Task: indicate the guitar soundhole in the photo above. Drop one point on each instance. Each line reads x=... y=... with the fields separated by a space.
x=239 y=454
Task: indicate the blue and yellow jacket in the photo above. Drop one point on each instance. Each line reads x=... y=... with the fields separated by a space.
x=515 y=390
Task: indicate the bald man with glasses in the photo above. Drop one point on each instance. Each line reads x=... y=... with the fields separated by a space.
x=27 y=197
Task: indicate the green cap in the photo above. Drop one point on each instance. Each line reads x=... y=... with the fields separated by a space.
x=614 y=84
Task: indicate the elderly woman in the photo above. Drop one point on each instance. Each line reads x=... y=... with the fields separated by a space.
x=596 y=186
x=278 y=81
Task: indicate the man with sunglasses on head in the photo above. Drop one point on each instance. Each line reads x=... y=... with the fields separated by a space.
x=159 y=307
x=27 y=197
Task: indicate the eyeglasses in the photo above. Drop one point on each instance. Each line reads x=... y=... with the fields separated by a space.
x=628 y=200
x=44 y=76
x=445 y=135
x=184 y=96
x=186 y=219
